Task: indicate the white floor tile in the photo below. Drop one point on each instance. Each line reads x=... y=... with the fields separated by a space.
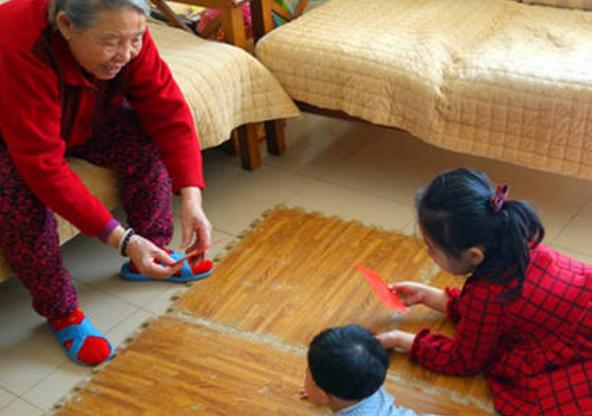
x=316 y=144
x=28 y=350
x=411 y=228
x=26 y=362
x=578 y=255
x=217 y=159
x=6 y=398
x=235 y=200
x=354 y=205
x=393 y=165
x=30 y=345
x=105 y=311
x=21 y=408
x=556 y=198
x=57 y=385
x=129 y=327
x=101 y=271
x=161 y=303
x=18 y=319
x=577 y=234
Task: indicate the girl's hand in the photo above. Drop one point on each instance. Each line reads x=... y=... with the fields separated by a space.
x=195 y=226
x=397 y=340
x=410 y=293
x=150 y=259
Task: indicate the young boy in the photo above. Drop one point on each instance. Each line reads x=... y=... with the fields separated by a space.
x=346 y=370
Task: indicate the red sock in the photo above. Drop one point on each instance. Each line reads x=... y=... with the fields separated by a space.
x=94 y=351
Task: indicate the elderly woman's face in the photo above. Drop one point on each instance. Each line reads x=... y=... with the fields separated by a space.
x=110 y=44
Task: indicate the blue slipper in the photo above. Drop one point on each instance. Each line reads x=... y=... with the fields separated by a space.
x=184 y=275
x=78 y=334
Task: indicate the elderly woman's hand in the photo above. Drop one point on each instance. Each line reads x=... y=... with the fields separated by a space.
x=150 y=259
x=195 y=226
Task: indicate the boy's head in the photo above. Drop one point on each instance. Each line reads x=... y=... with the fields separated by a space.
x=347 y=363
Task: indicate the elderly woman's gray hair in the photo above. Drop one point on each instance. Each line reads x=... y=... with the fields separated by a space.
x=85 y=13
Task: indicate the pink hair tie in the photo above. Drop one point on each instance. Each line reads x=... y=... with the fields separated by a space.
x=501 y=196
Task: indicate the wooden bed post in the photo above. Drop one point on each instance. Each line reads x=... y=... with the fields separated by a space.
x=275 y=137
x=262 y=16
x=249 y=146
x=170 y=15
x=233 y=26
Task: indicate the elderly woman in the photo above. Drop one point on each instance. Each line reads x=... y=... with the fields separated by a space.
x=83 y=78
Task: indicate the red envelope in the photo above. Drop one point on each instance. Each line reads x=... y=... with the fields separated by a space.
x=197 y=252
x=386 y=296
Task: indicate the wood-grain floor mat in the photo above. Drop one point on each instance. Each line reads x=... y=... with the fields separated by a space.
x=237 y=341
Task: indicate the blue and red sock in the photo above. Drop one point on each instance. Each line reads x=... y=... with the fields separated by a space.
x=94 y=350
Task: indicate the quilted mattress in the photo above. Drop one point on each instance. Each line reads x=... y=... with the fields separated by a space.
x=224 y=86
x=492 y=78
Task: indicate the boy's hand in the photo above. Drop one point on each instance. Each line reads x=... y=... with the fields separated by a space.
x=397 y=340
x=303 y=394
x=410 y=293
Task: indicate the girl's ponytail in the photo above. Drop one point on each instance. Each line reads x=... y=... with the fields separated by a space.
x=520 y=230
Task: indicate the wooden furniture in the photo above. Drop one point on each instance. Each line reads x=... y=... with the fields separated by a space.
x=230 y=21
x=245 y=140
x=262 y=13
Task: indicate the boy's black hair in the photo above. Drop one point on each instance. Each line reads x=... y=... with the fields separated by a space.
x=457 y=213
x=347 y=362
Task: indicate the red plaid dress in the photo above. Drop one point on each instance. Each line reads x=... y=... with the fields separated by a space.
x=535 y=351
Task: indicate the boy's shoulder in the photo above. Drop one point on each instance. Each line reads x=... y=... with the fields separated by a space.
x=380 y=403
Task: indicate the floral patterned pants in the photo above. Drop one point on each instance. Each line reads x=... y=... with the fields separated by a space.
x=28 y=229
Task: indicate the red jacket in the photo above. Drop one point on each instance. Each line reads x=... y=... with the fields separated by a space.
x=535 y=351
x=48 y=106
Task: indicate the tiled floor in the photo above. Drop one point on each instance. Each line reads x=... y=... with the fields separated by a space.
x=336 y=167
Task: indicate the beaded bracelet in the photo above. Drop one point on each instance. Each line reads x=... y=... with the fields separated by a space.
x=125 y=239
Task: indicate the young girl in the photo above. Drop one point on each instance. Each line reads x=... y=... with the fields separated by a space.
x=524 y=316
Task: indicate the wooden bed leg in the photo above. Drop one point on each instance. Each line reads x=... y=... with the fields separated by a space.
x=233 y=26
x=234 y=145
x=275 y=136
x=249 y=146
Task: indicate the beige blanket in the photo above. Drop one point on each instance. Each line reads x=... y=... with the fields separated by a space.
x=224 y=85
x=493 y=78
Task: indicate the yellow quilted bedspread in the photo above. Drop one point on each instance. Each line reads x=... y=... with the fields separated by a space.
x=493 y=78
x=224 y=86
